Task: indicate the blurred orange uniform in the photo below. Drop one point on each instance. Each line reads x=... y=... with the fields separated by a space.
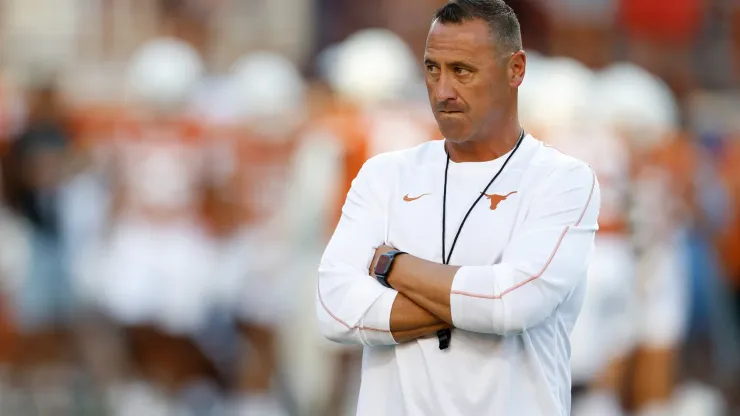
x=729 y=239
x=247 y=209
x=361 y=135
x=251 y=175
x=158 y=256
x=667 y=171
x=161 y=166
x=343 y=124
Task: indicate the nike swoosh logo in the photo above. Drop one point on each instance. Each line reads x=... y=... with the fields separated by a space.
x=409 y=199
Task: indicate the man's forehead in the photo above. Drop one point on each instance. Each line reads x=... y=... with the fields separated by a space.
x=469 y=37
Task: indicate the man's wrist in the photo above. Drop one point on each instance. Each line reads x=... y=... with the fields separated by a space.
x=385 y=265
x=400 y=263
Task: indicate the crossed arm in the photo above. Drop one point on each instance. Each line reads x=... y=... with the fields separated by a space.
x=410 y=321
x=545 y=260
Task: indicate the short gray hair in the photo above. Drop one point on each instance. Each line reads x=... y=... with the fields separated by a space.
x=499 y=16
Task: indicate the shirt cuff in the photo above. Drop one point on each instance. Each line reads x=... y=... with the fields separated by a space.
x=473 y=302
x=376 y=327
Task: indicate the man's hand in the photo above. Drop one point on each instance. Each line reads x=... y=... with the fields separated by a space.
x=409 y=321
x=425 y=285
x=378 y=252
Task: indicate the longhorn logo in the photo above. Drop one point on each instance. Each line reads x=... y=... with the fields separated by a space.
x=497 y=199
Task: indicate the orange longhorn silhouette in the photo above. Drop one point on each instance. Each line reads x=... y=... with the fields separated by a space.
x=496 y=199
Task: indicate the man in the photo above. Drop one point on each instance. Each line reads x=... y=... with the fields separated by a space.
x=498 y=229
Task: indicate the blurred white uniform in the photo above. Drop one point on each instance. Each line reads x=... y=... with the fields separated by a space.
x=254 y=259
x=558 y=100
x=604 y=329
x=255 y=139
x=662 y=290
x=642 y=108
x=159 y=260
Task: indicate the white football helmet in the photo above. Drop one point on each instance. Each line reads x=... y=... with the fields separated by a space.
x=561 y=97
x=163 y=73
x=635 y=102
x=269 y=84
x=374 y=65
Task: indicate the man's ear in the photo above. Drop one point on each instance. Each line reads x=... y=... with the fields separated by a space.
x=517 y=68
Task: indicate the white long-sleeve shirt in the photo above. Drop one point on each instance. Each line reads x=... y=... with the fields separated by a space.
x=514 y=301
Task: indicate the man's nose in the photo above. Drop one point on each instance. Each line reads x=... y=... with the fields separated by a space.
x=445 y=90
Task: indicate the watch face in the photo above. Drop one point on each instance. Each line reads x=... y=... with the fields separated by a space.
x=382 y=267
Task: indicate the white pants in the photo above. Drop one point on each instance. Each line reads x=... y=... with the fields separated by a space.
x=254 y=273
x=604 y=329
x=662 y=307
x=159 y=274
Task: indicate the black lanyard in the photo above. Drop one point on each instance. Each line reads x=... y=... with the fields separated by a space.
x=444 y=335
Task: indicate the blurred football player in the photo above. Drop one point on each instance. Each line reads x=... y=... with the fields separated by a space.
x=641 y=108
x=159 y=257
x=602 y=338
x=556 y=103
x=256 y=145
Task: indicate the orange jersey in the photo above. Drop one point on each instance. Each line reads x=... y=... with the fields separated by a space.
x=253 y=179
x=160 y=167
x=362 y=134
x=344 y=126
x=94 y=126
x=663 y=182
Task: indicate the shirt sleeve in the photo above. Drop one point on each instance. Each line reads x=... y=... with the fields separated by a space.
x=545 y=260
x=352 y=307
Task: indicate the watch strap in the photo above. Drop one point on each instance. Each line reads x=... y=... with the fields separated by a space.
x=386 y=263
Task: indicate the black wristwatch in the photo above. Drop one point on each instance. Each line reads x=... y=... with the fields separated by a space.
x=383 y=266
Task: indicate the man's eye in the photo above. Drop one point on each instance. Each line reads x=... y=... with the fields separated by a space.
x=432 y=69
x=461 y=71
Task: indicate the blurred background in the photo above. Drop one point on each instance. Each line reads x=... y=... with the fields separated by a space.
x=172 y=169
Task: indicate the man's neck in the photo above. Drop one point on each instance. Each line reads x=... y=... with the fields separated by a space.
x=490 y=148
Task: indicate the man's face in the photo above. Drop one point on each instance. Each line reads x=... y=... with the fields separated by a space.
x=468 y=79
